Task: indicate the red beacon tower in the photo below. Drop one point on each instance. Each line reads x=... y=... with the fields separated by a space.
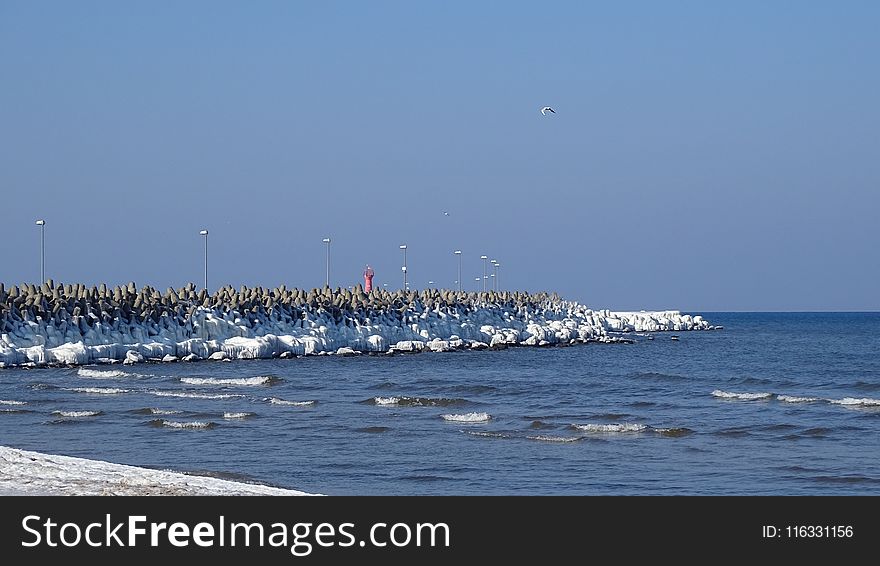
x=368 y=279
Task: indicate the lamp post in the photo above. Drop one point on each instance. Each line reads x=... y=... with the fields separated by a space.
x=327 y=280
x=42 y=224
x=497 y=277
x=484 y=258
x=403 y=247
x=205 y=234
x=458 y=253
x=478 y=279
x=494 y=263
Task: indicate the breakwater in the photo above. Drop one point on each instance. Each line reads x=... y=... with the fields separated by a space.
x=77 y=324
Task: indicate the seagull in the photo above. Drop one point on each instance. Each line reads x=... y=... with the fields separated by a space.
x=445 y=213
x=547 y=109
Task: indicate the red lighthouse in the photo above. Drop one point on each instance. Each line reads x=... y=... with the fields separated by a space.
x=368 y=279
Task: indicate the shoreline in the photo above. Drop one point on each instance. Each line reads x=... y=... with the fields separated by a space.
x=73 y=325
x=29 y=473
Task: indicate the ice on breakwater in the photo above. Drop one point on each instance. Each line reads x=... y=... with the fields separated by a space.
x=74 y=324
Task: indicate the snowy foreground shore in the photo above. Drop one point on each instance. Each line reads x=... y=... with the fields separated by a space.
x=74 y=324
x=32 y=473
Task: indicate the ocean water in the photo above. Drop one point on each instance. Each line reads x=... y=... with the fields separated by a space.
x=776 y=403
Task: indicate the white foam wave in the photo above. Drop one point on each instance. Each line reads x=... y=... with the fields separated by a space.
x=99 y=390
x=792 y=399
x=617 y=427
x=548 y=438
x=386 y=401
x=741 y=396
x=5 y=402
x=237 y=415
x=853 y=402
x=277 y=401
x=77 y=413
x=156 y=411
x=190 y=424
x=258 y=380
x=192 y=395
x=485 y=434
x=467 y=418
x=101 y=373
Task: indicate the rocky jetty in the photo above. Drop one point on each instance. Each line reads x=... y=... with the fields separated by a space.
x=76 y=324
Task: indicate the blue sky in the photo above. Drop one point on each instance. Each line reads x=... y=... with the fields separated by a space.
x=703 y=156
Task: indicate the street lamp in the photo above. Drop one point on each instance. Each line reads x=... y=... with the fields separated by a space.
x=478 y=279
x=497 y=277
x=458 y=253
x=484 y=258
x=327 y=281
x=494 y=263
x=42 y=224
x=205 y=234
x=403 y=247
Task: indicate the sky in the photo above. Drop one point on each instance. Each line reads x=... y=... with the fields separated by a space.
x=703 y=156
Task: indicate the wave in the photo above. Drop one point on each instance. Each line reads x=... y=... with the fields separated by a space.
x=792 y=399
x=277 y=401
x=674 y=432
x=42 y=387
x=486 y=434
x=548 y=438
x=156 y=411
x=735 y=432
x=194 y=395
x=539 y=425
x=373 y=429
x=846 y=479
x=467 y=418
x=853 y=402
x=102 y=373
x=741 y=396
x=819 y=431
x=612 y=416
x=658 y=376
x=612 y=428
x=866 y=386
x=99 y=390
x=238 y=415
x=5 y=402
x=77 y=413
x=181 y=425
x=257 y=380
x=416 y=401
x=752 y=380
x=15 y=411
x=475 y=389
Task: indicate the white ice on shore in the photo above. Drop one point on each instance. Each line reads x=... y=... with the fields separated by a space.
x=219 y=335
x=23 y=472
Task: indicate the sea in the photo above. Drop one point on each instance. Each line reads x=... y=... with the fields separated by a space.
x=773 y=404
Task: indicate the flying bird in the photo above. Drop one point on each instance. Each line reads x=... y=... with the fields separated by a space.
x=547 y=109
x=445 y=213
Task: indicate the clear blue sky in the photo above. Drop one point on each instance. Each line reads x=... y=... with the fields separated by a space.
x=704 y=155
